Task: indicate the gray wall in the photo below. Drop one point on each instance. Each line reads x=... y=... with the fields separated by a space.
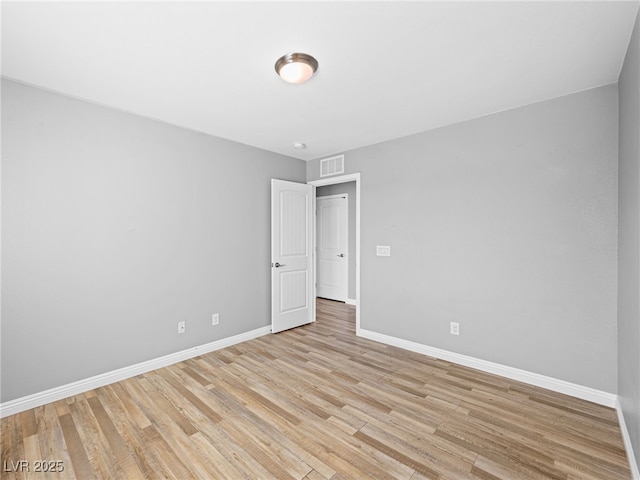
x=116 y=227
x=350 y=189
x=629 y=243
x=506 y=224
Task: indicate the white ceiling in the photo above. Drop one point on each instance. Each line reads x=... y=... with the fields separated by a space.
x=387 y=69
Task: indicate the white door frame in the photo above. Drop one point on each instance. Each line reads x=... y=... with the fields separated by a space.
x=353 y=177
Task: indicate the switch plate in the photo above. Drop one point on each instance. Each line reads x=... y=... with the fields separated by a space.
x=182 y=327
x=215 y=319
x=383 y=250
x=454 y=328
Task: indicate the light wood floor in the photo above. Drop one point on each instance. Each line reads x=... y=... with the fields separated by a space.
x=317 y=402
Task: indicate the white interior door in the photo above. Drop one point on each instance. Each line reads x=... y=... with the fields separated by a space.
x=332 y=244
x=292 y=292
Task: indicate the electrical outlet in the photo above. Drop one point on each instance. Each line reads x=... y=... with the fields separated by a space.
x=182 y=327
x=215 y=319
x=454 y=328
x=383 y=250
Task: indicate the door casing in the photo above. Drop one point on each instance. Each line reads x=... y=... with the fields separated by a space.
x=353 y=177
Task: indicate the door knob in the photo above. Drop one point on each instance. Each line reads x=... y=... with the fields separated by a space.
x=341 y=255
x=278 y=265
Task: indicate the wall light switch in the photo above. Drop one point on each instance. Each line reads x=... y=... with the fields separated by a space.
x=383 y=250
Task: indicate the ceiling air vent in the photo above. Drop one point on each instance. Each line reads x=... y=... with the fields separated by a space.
x=332 y=166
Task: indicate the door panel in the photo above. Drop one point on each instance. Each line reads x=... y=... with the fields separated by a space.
x=293 y=224
x=332 y=247
x=291 y=255
x=293 y=290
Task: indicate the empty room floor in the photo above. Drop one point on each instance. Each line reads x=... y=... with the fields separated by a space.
x=317 y=402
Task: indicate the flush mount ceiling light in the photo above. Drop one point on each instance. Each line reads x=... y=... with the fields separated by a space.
x=299 y=146
x=296 y=67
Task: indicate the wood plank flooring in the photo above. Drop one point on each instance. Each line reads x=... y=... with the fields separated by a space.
x=316 y=403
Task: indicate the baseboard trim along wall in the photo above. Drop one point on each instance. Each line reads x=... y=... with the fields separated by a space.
x=635 y=471
x=54 y=394
x=350 y=301
x=561 y=386
x=602 y=398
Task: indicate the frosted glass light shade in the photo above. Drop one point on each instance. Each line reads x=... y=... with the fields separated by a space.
x=296 y=67
x=296 y=72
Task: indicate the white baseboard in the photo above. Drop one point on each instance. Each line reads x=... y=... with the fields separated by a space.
x=635 y=472
x=54 y=394
x=350 y=301
x=561 y=386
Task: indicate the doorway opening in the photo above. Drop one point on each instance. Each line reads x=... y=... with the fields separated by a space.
x=349 y=184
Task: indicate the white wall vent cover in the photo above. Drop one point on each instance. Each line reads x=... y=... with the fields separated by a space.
x=332 y=166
